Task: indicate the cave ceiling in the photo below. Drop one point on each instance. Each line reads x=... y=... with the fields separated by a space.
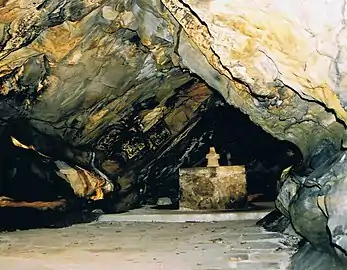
x=80 y=64
x=104 y=84
x=103 y=101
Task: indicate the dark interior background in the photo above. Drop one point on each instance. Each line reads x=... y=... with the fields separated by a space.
x=238 y=141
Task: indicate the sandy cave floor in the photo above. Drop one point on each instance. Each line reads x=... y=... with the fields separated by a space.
x=153 y=246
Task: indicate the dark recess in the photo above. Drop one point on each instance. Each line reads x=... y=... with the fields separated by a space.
x=227 y=129
x=230 y=132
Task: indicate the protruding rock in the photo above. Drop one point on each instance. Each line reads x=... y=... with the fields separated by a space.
x=308 y=219
x=287 y=192
x=164 y=201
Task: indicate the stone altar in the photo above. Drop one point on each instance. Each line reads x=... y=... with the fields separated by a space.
x=214 y=186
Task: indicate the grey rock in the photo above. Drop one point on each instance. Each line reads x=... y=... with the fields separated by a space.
x=274 y=221
x=286 y=194
x=308 y=220
x=164 y=201
x=336 y=207
x=309 y=258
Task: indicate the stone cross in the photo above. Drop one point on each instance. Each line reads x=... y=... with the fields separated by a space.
x=212 y=158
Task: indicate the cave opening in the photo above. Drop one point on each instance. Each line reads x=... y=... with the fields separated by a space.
x=202 y=111
x=237 y=140
x=143 y=175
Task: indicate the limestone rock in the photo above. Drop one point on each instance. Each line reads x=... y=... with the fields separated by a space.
x=280 y=55
x=164 y=201
x=117 y=79
x=84 y=183
x=309 y=258
x=275 y=221
x=269 y=47
x=308 y=219
x=286 y=193
x=317 y=203
x=43 y=206
x=334 y=203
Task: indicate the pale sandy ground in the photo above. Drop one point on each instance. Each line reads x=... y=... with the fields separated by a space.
x=146 y=246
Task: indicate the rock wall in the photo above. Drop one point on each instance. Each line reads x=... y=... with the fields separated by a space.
x=266 y=56
x=110 y=86
x=76 y=81
x=280 y=64
x=314 y=203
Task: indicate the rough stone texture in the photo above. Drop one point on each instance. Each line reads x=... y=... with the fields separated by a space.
x=309 y=258
x=76 y=78
x=315 y=205
x=308 y=219
x=275 y=221
x=213 y=187
x=88 y=72
x=203 y=246
x=75 y=68
x=83 y=182
x=8 y=202
x=263 y=49
x=287 y=192
x=108 y=86
x=334 y=203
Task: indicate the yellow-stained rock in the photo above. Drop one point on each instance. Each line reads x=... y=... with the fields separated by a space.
x=262 y=41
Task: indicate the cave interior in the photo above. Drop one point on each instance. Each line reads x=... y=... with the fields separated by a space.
x=104 y=103
x=143 y=176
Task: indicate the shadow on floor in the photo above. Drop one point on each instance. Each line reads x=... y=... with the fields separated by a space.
x=28 y=218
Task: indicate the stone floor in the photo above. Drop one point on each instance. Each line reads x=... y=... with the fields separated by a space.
x=153 y=246
x=150 y=214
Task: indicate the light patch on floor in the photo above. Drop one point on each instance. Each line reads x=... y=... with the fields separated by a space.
x=146 y=246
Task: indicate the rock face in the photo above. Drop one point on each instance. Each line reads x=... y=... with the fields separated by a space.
x=111 y=91
x=97 y=85
x=271 y=61
x=315 y=204
x=269 y=56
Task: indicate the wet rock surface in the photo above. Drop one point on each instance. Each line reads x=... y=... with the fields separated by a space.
x=307 y=257
x=315 y=209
